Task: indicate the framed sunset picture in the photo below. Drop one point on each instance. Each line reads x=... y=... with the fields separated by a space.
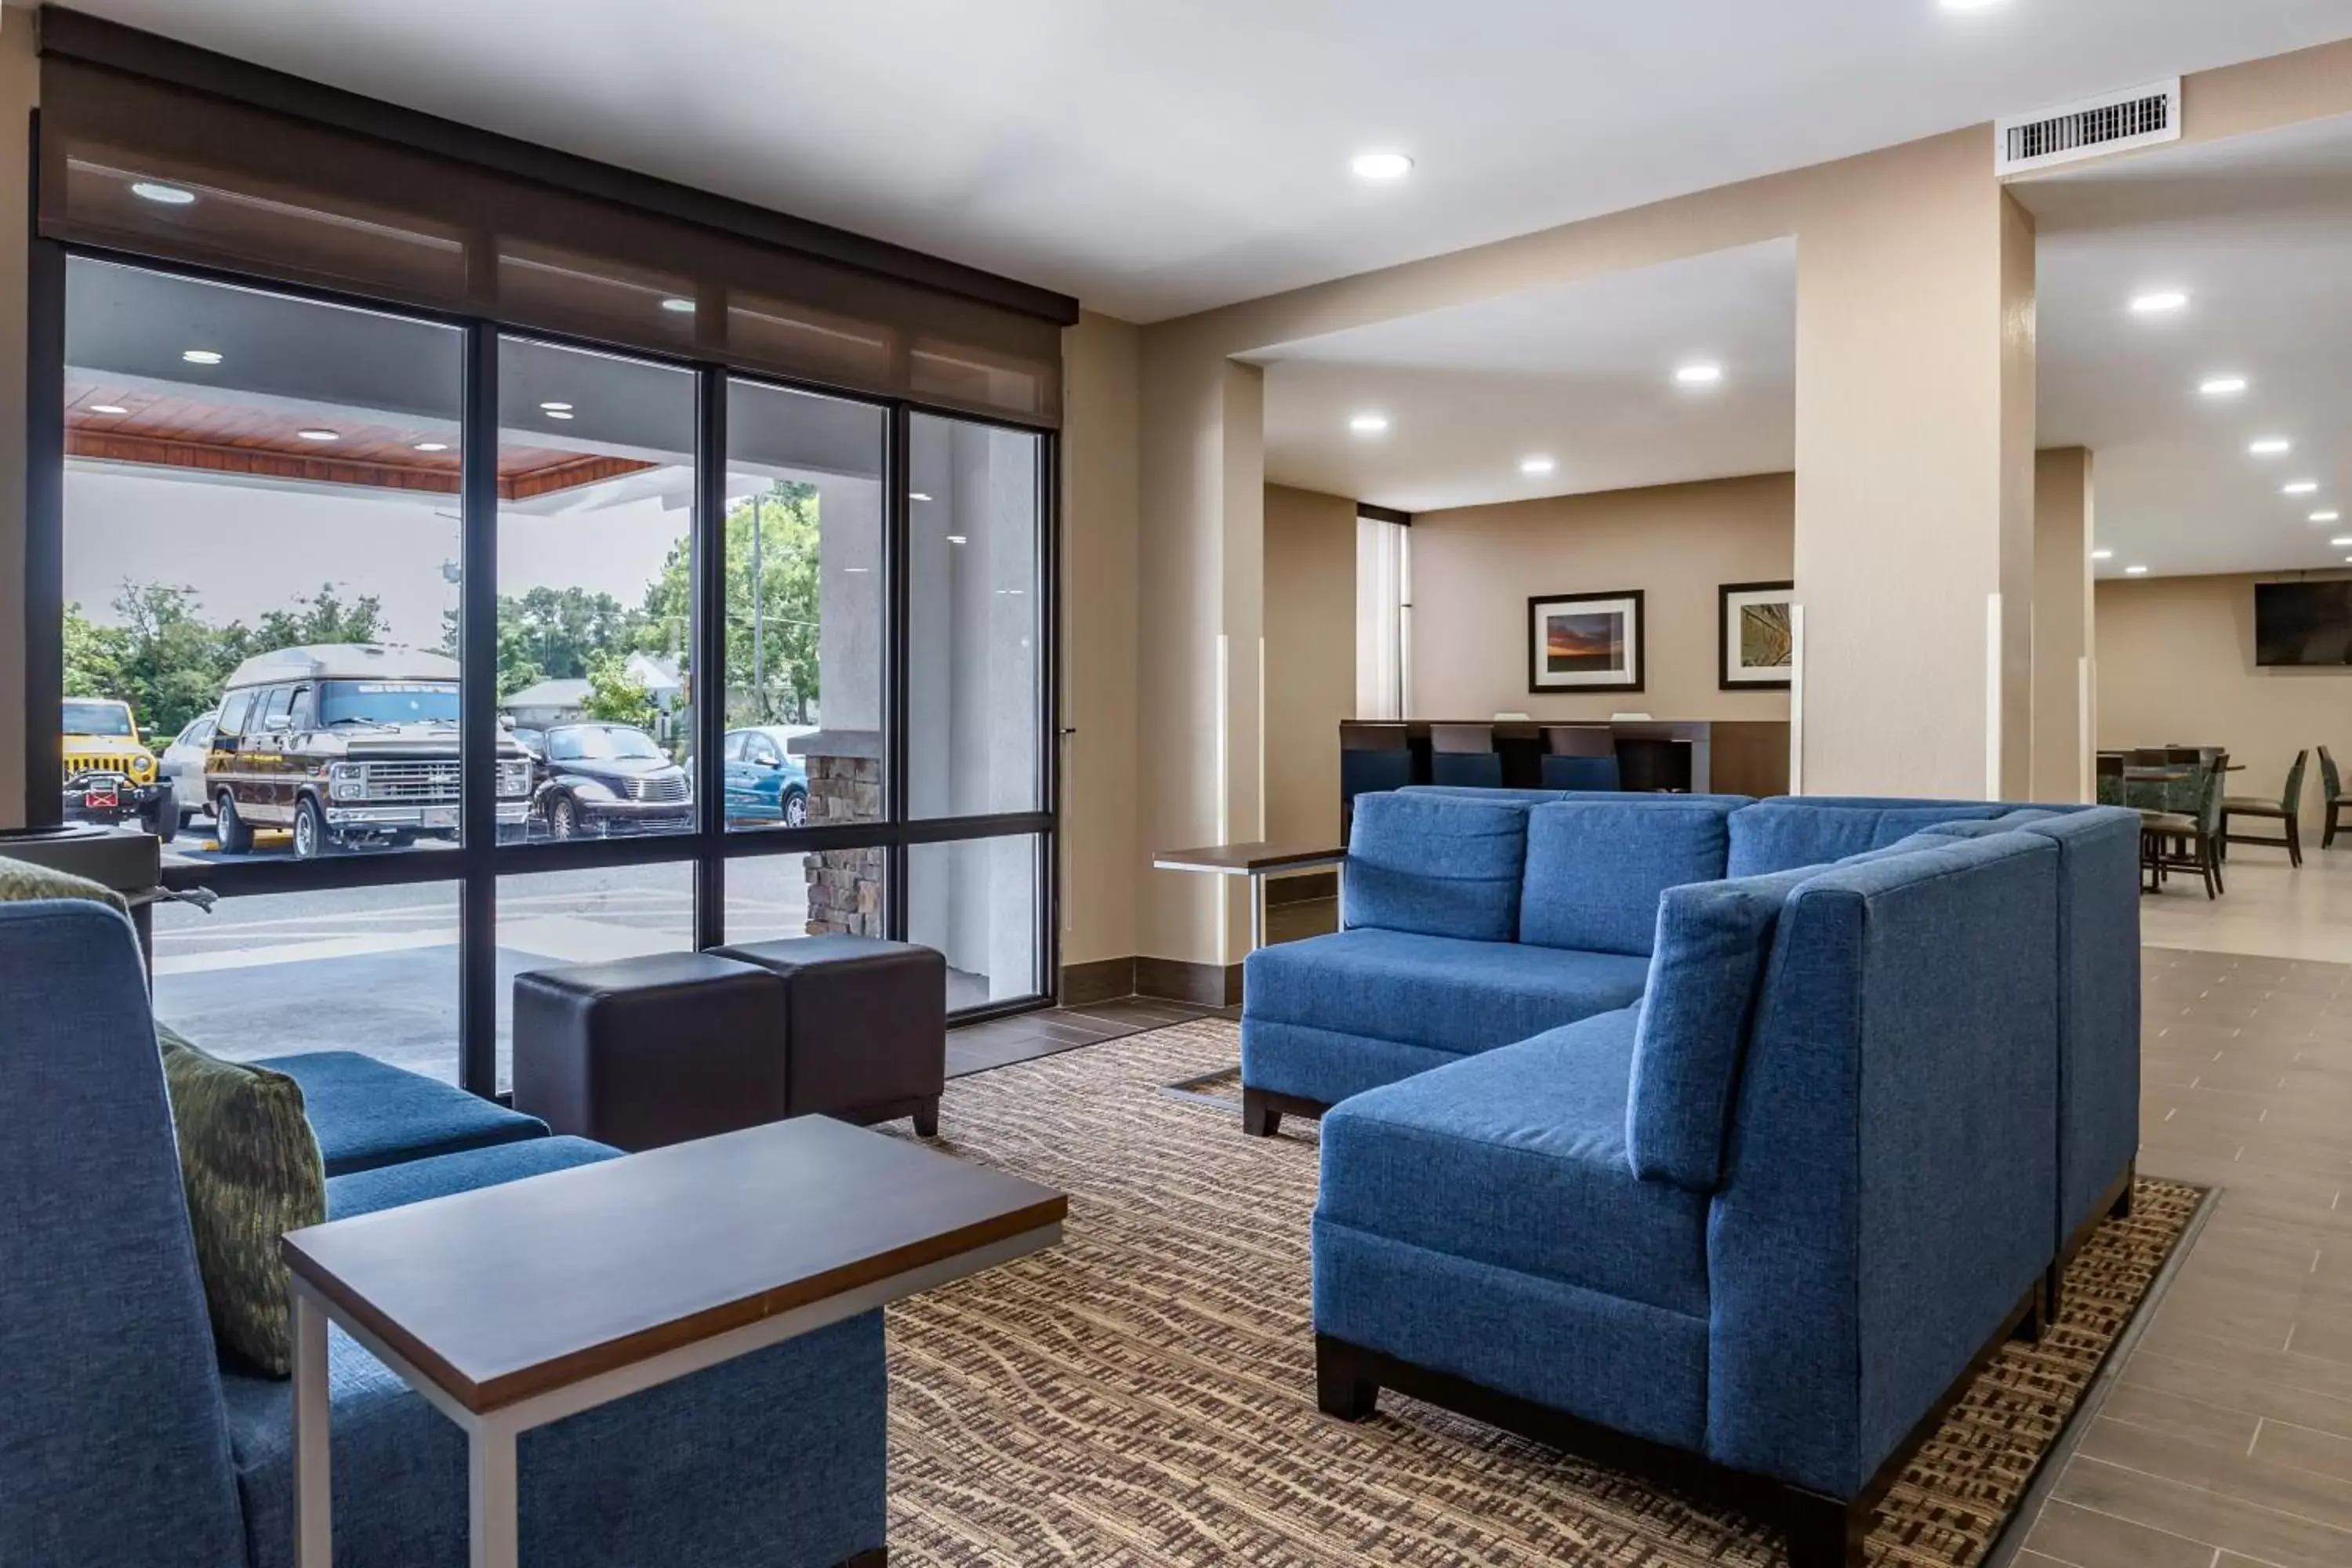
x=1756 y=637
x=1585 y=642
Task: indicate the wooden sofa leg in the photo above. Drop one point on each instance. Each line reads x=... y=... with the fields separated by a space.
x=2122 y=1207
x=1824 y=1532
x=2037 y=1306
x=2053 y=1292
x=878 y=1557
x=927 y=1117
x=1259 y=1119
x=1340 y=1390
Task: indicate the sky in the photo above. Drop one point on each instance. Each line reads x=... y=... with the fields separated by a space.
x=248 y=548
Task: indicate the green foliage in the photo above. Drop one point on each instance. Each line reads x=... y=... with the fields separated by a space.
x=552 y=633
x=170 y=663
x=616 y=697
x=773 y=672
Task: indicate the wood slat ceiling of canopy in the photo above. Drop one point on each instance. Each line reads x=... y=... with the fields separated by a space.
x=227 y=438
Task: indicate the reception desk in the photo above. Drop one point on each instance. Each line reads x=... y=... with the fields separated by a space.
x=1683 y=756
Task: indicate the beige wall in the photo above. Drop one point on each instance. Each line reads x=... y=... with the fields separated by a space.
x=1310 y=658
x=2061 y=621
x=2176 y=663
x=19 y=92
x=1475 y=569
x=1101 y=857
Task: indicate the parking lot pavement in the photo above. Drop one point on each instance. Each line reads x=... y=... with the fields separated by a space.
x=376 y=969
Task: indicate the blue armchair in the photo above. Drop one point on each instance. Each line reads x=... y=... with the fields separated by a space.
x=125 y=1443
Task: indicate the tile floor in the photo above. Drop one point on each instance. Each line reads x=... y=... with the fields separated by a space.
x=976 y=1047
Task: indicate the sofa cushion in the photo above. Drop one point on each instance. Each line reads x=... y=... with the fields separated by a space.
x=1712 y=940
x=23 y=882
x=369 y=1113
x=2006 y=822
x=251 y=1170
x=392 y=1186
x=1438 y=992
x=1790 y=831
x=774 y=1458
x=1435 y=865
x=1516 y=1159
x=1595 y=867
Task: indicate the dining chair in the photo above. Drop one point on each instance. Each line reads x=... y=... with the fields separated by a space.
x=2187 y=840
x=2286 y=810
x=2331 y=798
x=2111 y=778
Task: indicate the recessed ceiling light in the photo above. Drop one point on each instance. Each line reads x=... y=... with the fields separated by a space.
x=1381 y=165
x=1369 y=423
x=682 y=307
x=2270 y=446
x=1699 y=374
x=558 y=413
x=319 y=435
x=2222 y=385
x=917 y=495
x=1534 y=465
x=2135 y=570
x=162 y=195
x=858 y=571
x=1970 y=4
x=107 y=408
x=201 y=356
x=2162 y=302
x=2299 y=486
x=556 y=407
x=2329 y=516
x=433 y=445
x=955 y=539
x=2341 y=543
x=2103 y=555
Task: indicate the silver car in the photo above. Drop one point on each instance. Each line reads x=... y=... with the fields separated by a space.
x=183 y=764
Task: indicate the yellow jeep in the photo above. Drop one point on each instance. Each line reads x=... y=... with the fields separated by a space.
x=110 y=776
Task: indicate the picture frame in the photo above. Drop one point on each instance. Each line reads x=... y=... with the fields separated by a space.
x=1754 y=647
x=1587 y=642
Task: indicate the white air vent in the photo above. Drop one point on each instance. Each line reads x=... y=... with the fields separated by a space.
x=2140 y=117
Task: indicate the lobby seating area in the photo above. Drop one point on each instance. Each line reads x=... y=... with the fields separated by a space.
x=1732 y=1098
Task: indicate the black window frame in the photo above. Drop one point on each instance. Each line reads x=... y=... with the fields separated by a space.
x=477 y=862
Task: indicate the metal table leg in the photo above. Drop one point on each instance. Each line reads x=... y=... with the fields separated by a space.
x=490 y=1493
x=1258 y=911
x=313 y=1526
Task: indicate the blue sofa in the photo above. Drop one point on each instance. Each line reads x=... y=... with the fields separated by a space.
x=1754 y=1226
x=125 y=1442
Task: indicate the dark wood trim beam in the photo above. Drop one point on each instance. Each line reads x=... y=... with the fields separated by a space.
x=93 y=41
x=1383 y=513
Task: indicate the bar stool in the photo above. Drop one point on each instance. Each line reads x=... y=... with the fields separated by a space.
x=1579 y=757
x=1373 y=757
x=1464 y=755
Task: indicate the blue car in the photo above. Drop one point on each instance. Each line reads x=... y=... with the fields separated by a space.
x=765 y=783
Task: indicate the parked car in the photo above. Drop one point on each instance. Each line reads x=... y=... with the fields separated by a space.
x=601 y=780
x=110 y=776
x=349 y=745
x=183 y=764
x=765 y=783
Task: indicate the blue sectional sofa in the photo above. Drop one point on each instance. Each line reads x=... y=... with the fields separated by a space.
x=125 y=1442
x=1753 y=1224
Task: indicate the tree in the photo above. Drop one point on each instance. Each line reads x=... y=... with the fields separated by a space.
x=771 y=633
x=552 y=633
x=322 y=618
x=616 y=697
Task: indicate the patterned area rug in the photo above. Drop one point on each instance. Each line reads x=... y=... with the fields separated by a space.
x=1144 y=1394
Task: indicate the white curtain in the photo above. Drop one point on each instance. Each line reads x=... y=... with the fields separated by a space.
x=1383 y=618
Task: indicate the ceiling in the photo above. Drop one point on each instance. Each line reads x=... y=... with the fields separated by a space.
x=1156 y=157
x=2258 y=232
x=1583 y=374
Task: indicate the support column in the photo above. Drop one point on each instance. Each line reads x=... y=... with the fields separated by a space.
x=2063 y=679
x=20 y=79
x=1915 y=477
x=1203 y=568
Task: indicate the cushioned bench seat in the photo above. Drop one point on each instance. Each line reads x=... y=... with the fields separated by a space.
x=368 y=1113
x=1335 y=1015
x=389 y=1186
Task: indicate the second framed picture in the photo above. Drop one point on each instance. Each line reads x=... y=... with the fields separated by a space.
x=1586 y=642
x=1756 y=637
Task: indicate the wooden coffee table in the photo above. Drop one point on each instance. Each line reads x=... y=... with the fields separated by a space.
x=518 y=1305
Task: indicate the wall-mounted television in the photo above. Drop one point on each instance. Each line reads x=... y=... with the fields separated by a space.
x=2303 y=623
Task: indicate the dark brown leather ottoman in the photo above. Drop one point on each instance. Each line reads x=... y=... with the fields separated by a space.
x=865 y=1025
x=646 y=1051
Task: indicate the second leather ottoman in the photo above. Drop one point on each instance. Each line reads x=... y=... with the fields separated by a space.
x=864 y=1025
x=646 y=1051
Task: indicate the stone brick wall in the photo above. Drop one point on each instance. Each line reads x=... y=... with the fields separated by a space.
x=845 y=885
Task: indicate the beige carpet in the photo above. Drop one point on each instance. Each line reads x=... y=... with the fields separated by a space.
x=1145 y=1392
